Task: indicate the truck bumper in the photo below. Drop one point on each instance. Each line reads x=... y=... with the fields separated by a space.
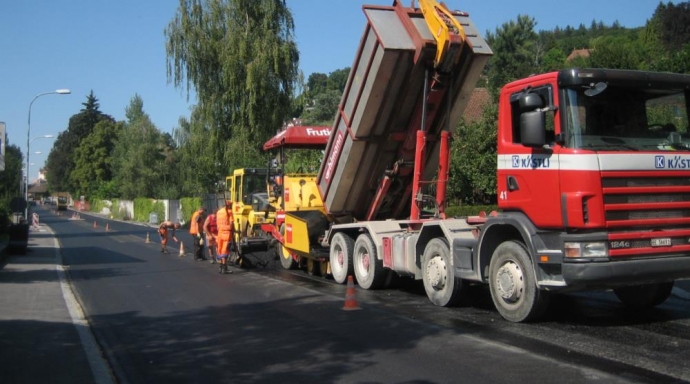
x=625 y=272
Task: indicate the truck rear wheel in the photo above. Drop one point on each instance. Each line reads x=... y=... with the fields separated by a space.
x=286 y=260
x=341 y=257
x=513 y=285
x=368 y=268
x=644 y=296
x=440 y=284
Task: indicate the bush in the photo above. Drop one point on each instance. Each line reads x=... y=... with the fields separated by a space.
x=97 y=205
x=143 y=207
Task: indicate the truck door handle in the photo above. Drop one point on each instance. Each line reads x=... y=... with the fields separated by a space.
x=512 y=183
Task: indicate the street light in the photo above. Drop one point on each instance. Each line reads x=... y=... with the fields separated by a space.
x=28 y=143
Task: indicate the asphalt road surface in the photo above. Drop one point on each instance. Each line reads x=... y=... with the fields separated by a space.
x=162 y=318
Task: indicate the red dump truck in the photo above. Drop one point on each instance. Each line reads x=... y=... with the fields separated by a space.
x=593 y=174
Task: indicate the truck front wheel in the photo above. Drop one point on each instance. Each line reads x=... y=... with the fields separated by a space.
x=644 y=296
x=512 y=283
x=341 y=257
x=442 y=287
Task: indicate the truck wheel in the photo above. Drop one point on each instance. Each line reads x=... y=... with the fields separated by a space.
x=368 y=268
x=513 y=286
x=644 y=296
x=286 y=260
x=440 y=284
x=341 y=257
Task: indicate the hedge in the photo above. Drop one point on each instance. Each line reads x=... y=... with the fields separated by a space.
x=143 y=207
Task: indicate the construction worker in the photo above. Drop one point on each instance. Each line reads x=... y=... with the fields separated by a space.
x=211 y=232
x=224 y=220
x=163 y=233
x=196 y=229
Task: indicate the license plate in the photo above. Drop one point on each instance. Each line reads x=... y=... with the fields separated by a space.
x=665 y=242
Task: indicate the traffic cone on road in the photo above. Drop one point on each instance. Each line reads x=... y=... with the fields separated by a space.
x=95 y=225
x=350 y=299
x=148 y=240
x=181 y=249
x=107 y=227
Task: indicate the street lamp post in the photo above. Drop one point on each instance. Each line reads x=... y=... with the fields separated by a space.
x=28 y=143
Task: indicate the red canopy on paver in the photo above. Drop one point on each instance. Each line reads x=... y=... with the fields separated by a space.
x=299 y=136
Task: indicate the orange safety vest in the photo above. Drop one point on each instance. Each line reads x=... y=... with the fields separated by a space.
x=194 y=225
x=224 y=220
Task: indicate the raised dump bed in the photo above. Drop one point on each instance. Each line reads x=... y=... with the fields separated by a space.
x=382 y=107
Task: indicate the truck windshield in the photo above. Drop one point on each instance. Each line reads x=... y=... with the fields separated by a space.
x=624 y=119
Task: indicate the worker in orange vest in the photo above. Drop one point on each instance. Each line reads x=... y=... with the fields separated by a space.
x=196 y=230
x=224 y=220
x=211 y=232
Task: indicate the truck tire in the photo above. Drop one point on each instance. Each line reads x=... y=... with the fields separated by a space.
x=644 y=296
x=368 y=267
x=286 y=260
x=341 y=257
x=513 y=285
x=442 y=287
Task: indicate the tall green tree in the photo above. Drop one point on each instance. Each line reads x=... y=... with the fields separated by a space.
x=92 y=173
x=60 y=162
x=240 y=59
x=11 y=179
x=198 y=169
x=514 y=56
x=139 y=157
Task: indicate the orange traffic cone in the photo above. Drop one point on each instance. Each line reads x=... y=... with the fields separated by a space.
x=181 y=249
x=95 y=225
x=350 y=299
x=147 y=238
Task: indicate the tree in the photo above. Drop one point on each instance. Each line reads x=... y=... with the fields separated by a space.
x=60 y=162
x=473 y=162
x=139 y=156
x=11 y=179
x=673 y=24
x=323 y=108
x=513 y=46
x=92 y=173
x=616 y=52
x=241 y=60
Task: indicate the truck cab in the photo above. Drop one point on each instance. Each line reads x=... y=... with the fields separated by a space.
x=594 y=178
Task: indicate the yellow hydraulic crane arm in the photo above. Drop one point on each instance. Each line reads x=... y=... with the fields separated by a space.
x=447 y=31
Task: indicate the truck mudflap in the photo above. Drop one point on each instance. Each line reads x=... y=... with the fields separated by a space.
x=610 y=274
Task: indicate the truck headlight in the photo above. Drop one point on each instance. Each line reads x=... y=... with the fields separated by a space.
x=580 y=250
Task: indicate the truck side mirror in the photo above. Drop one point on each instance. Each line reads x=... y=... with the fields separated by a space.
x=530 y=101
x=532 y=129
x=532 y=124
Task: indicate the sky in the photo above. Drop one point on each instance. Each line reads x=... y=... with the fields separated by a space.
x=117 y=49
